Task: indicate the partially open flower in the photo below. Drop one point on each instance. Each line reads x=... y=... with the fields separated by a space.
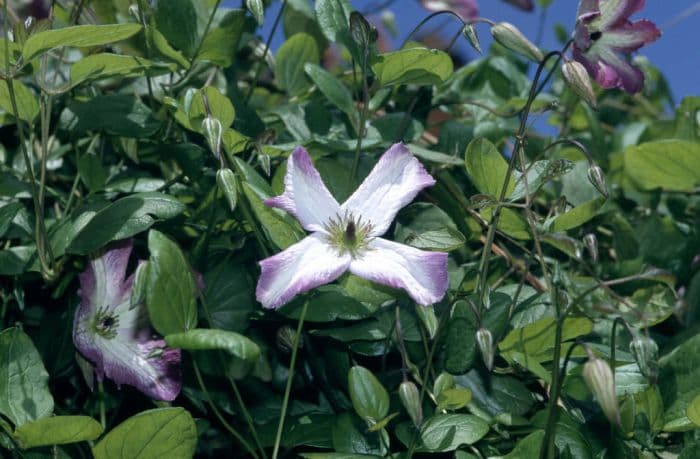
x=603 y=33
x=116 y=338
x=346 y=237
x=466 y=9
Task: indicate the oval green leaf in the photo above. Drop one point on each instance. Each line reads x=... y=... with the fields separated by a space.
x=200 y=339
x=369 y=398
x=77 y=36
x=58 y=430
x=421 y=66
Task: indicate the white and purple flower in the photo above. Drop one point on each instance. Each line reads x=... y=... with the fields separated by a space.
x=466 y=9
x=346 y=237
x=603 y=33
x=116 y=338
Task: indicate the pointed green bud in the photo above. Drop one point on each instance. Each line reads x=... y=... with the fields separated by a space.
x=469 y=32
x=484 y=339
x=228 y=184
x=285 y=339
x=362 y=31
x=410 y=399
x=599 y=379
x=212 y=131
x=509 y=36
x=646 y=353
x=264 y=161
x=591 y=242
x=257 y=9
x=138 y=289
x=577 y=79
x=597 y=177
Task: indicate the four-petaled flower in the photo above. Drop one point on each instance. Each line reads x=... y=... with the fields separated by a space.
x=346 y=237
x=116 y=338
x=603 y=32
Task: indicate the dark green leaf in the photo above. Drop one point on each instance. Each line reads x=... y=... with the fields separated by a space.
x=369 y=398
x=291 y=58
x=201 y=339
x=447 y=432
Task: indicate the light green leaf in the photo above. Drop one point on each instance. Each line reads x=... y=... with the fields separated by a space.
x=124 y=218
x=107 y=65
x=165 y=432
x=80 y=36
x=280 y=228
x=200 y=339
x=27 y=104
x=297 y=51
x=332 y=88
x=171 y=287
x=693 y=411
x=486 y=168
x=679 y=373
x=369 y=398
x=528 y=447
x=537 y=339
x=673 y=165
x=577 y=216
x=332 y=16
x=58 y=430
x=23 y=379
x=447 y=432
x=421 y=66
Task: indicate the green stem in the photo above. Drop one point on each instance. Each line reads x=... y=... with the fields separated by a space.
x=103 y=411
x=363 y=116
x=205 y=33
x=218 y=415
x=290 y=379
x=548 y=446
x=267 y=49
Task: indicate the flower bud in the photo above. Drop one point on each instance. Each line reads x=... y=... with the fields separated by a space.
x=646 y=353
x=257 y=9
x=469 y=32
x=484 y=339
x=577 y=78
x=135 y=12
x=138 y=289
x=410 y=398
x=599 y=379
x=212 y=131
x=227 y=182
x=362 y=31
x=591 y=242
x=285 y=339
x=597 y=177
x=509 y=36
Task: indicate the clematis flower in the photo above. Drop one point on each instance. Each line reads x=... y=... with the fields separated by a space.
x=346 y=237
x=116 y=338
x=603 y=33
x=466 y=9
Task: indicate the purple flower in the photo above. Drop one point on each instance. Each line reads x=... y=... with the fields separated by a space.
x=346 y=237
x=466 y=9
x=603 y=33
x=116 y=338
x=525 y=5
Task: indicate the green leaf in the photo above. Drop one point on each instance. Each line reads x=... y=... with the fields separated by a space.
x=328 y=304
x=220 y=107
x=124 y=218
x=427 y=227
x=160 y=45
x=280 y=228
x=177 y=21
x=332 y=88
x=165 y=432
x=58 y=430
x=291 y=58
x=23 y=379
x=528 y=447
x=421 y=66
x=693 y=411
x=369 y=398
x=106 y=65
x=171 y=287
x=447 y=432
x=116 y=114
x=497 y=395
x=673 y=165
x=333 y=17
x=77 y=36
x=537 y=339
x=7 y=214
x=486 y=168
x=453 y=399
x=201 y=339
x=27 y=104
x=577 y=216
x=679 y=373
x=91 y=172
x=350 y=437
x=221 y=43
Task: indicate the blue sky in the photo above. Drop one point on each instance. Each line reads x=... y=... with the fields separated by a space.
x=677 y=52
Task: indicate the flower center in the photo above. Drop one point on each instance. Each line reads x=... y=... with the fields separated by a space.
x=348 y=234
x=595 y=36
x=105 y=323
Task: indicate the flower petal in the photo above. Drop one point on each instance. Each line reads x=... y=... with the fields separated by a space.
x=396 y=179
x=630 y=36
x=614 y=12
x=305 y=195
x=305 y=265
x=610 y=70
x=102 y=283
x=466 y=9
x=525 y=5
x=422 y=274
x=131 y=356
x=588 y=9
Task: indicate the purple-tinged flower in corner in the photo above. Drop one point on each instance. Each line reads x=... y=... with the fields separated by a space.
x=466 y=9
x=116 y=338
x=346 y=237
x=604 y=33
